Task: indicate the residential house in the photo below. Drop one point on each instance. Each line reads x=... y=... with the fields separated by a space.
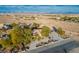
x=4 y=36
x=7 y=26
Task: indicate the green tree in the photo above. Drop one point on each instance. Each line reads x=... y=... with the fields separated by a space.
x=16 y=35
x=6 y=43
x=19 y=35
x=27 y=33
x=45 y=31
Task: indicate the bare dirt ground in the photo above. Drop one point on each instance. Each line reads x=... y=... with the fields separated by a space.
x=45 y=20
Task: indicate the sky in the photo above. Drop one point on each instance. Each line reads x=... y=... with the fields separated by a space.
x=40 y=9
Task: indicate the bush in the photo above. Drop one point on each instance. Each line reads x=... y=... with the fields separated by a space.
x=60 y=31
x=13 y=24
x=45 y=31
x=71 y=19
x=27 y=33
x=36 y=37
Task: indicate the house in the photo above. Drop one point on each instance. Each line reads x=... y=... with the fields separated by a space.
x=30 y=25
x=4 y=36
x=7 y=26
x=22 y=25
x=34 y=31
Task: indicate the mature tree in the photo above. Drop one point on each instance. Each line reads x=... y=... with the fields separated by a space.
x=27 y=33
x=20 y=35
x=16 y=35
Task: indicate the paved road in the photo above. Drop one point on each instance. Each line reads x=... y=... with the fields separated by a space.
x=64 y=46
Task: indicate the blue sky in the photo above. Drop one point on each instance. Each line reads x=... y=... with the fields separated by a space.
x=40 y=8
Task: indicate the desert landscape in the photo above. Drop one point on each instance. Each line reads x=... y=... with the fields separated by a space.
x=44 y=19
x=66 y=24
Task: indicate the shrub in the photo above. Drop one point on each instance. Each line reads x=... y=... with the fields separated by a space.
x=45 y=31
x=60 y=31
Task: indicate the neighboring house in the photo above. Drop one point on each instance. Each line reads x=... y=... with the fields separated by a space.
x=4 y=36
x=7 y=26
x=30 y=25
x=22 y=25
x=34 y=31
